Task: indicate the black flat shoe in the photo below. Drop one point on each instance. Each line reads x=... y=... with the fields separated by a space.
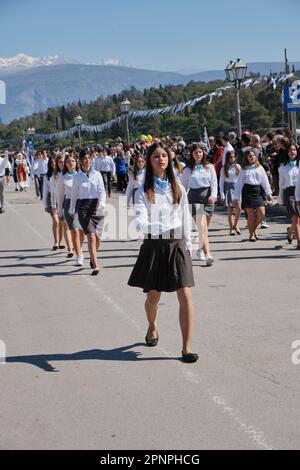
x=70 y=255
x=95 y=272
x=61 y=247
x=252 y=239
x=151 y=341
x=189 y=357
x=55 y=248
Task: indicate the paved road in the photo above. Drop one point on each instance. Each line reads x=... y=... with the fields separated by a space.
x=78 y=375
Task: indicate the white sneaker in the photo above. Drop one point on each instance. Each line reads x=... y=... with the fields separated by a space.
x=264 y=225
x=209 y=260
x=200 y=254
x=80 y=259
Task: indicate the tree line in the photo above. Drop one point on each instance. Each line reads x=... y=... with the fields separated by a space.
x=261 y=107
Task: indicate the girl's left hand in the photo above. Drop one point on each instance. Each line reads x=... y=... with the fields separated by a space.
x=211 y=200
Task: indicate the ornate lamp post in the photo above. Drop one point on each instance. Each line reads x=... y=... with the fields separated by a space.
x=77 y=122
x=235 y=73
x=125 y=108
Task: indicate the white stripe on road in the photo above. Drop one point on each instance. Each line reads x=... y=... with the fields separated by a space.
x=256 y=436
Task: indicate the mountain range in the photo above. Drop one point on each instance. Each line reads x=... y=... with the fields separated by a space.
x=35 y=84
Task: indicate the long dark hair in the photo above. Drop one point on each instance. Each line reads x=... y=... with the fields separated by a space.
x=71 y=155
x=192 y=161
x=149 y=184
x=57 y=169
x=226 y=166
x=135 y=167
x=50 y=170
x=287 y=158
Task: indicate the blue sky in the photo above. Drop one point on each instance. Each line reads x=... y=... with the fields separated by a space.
x=157 y=34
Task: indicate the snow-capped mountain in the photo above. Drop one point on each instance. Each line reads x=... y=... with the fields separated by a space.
x=24 y=61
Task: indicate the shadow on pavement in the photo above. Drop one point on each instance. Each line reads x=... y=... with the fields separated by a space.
x=42 y=361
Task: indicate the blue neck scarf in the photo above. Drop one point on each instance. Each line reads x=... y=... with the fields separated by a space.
x=199 y=166
x=163 y=184
x=252 y=166
x=72 y=173
x=140 y=171
x=293 y=163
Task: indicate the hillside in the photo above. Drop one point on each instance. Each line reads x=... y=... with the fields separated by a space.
x=36 y=89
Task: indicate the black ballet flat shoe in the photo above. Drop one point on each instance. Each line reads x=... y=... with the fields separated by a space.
x=95 y=272
x=70 y=255
x=288 y=238
x=298 y=247
x=55 y=248
x=61 y=247
x=189 y=357
x=252 y=239
x=151 y=341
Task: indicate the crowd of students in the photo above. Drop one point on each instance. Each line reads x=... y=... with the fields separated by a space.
x=167 y=181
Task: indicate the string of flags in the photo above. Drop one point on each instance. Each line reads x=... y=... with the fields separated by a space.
x=176 y=108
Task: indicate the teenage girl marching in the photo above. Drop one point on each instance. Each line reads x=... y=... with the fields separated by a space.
x=251 y=181
x=200 y=179
x=88 y=193
x=64 y=186
x=136 y=178
x=54 y=180
x=288 y=175
x=228 y=178
x=57 y=228
x=164 y=263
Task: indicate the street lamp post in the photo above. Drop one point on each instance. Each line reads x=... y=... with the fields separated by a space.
x=235 y=73
x=78 y=121
x=30 y=134
x=125 y=108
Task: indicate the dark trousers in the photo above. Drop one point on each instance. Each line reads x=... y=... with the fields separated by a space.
x=41 y=184
x=121 y=178
x=106 y=175
x=37 y=186
x=1 y=192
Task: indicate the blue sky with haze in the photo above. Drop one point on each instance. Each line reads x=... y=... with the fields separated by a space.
x=158 y=34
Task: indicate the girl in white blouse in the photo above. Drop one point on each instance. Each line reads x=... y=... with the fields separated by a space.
x=136 y=178
x=89 y=195
x=164 y=263
x=297 y=197
x=177 y=165
x=251 y=180
x=64 y=191
x=200 y=179
x=57 y=228
x=53 y=183
x=228 y=178
x=288 y=175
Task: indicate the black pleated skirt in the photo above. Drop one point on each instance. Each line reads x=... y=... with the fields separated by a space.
x=252 y=196
x=289 y=201
x=198 y=198
x=89 y=218
x=164 y=265
x=49 y=204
